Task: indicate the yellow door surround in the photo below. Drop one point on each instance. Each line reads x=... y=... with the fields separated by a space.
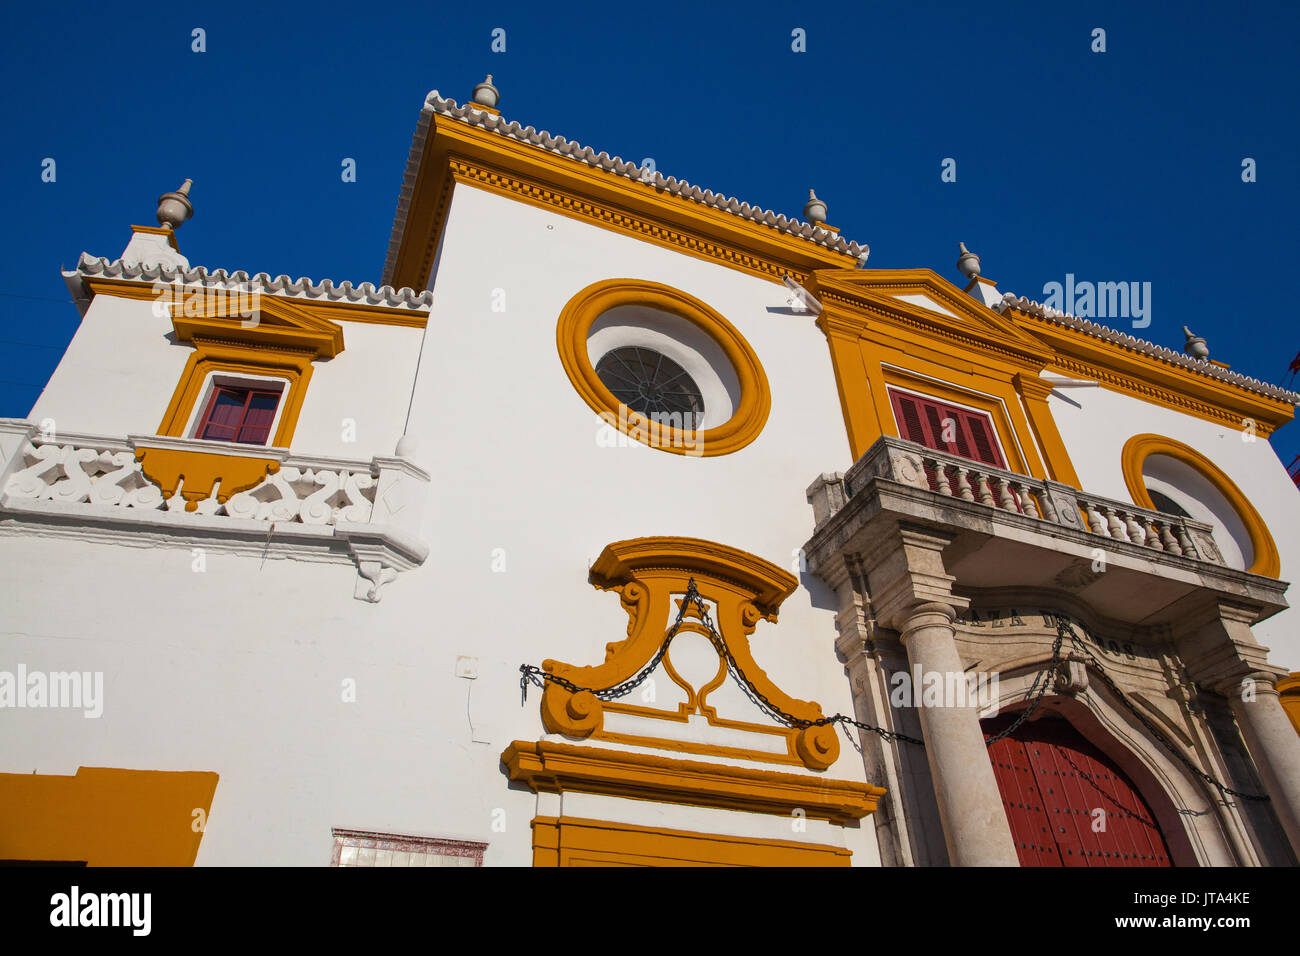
x=572 y=841
x=646 y=573
x=551 y=767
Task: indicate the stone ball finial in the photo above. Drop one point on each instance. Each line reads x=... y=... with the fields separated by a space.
x=485 y=94
x=1195 y=345
x=814 y=210
x=968 y=264
x=175 y=207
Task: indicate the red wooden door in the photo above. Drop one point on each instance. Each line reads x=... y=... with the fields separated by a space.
x=1053 y=783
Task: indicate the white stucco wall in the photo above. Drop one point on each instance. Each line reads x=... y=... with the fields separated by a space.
x=118 y=373
x=121 y=369
x=1096 y=422
x=239 y=669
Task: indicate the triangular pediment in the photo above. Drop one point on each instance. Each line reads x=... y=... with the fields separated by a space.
x=921 y=300
x=256 y=320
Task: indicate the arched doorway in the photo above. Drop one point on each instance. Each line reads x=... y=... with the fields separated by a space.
x=1054 y=783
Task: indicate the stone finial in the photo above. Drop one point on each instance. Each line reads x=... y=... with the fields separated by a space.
x=814 y=210
x=175 y=207
x=485 y=94
x=1195 y=345
x=968 y=264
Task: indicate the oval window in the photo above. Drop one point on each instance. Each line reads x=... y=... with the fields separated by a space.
x=1169 y=476
x=663 y=367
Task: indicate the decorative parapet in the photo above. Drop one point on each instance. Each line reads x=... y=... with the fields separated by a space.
x=96 y=485
x=959 y=478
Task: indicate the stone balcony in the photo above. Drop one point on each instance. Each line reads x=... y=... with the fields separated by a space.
x=1005 y=532
x=214 y=494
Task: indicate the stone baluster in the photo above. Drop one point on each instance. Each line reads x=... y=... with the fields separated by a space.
x=1005 y=501
x=1153 y=534
x=1114 y=524
x=1167 y=538
x=1136 y=533
x=964 y=490
x=1043 y=499
x=985 y=491
x=1185 y=543
x=941 y=482
x=1096 y=519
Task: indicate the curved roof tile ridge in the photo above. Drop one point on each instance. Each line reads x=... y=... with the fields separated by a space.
x=436 y=103
x=365 y=294
x=1097 y=330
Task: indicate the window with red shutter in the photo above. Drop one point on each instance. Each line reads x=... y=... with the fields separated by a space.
x=945 y=427
x=240 y=415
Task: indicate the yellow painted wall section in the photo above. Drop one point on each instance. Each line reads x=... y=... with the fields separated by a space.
x=105 y=816
x=1288 y=689
x=567 y=841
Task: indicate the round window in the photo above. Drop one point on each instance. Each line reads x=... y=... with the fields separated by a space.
x=1169 y=476
x=651 y=383
x=663 y=368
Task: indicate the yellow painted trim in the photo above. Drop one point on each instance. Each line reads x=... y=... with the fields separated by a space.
x=159 y=231
x=195 y=472
x=105 y=816
x=1136 y=450
x=646 y=573
x=1006 y=421
x=573 y=841
x=456 y=152
x=1034 y=391
x=1288 y=689
x=234 y=358
x=1123 y=369
x=316 y=315
x=877 y=340
x=587 y=306
x=549 y=767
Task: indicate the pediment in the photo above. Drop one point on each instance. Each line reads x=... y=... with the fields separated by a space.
x=923 y=301
x=256 y=320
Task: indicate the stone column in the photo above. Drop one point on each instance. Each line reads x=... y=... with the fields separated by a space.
x=1273 y=744
x=970 y=805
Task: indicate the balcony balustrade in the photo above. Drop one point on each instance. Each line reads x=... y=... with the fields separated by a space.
x=312 y=504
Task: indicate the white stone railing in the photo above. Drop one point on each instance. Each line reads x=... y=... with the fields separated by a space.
x=954 y=477
x=104 y=471
x=376 y=505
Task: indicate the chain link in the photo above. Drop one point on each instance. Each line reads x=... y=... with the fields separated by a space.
x=530 y=674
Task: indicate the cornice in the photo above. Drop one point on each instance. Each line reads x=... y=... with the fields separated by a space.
x=545 y=766
x=370 y=303
x=1043 y=317
x=462 y=143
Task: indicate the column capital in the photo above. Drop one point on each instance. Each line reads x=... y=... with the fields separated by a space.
x=906 y=569
x=930 y=614
x=1255 y=683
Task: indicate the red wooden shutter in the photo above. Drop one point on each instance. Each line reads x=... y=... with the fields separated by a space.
x=923 y=421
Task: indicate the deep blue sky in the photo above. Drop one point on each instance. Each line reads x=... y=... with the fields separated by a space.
x=1117 y=166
